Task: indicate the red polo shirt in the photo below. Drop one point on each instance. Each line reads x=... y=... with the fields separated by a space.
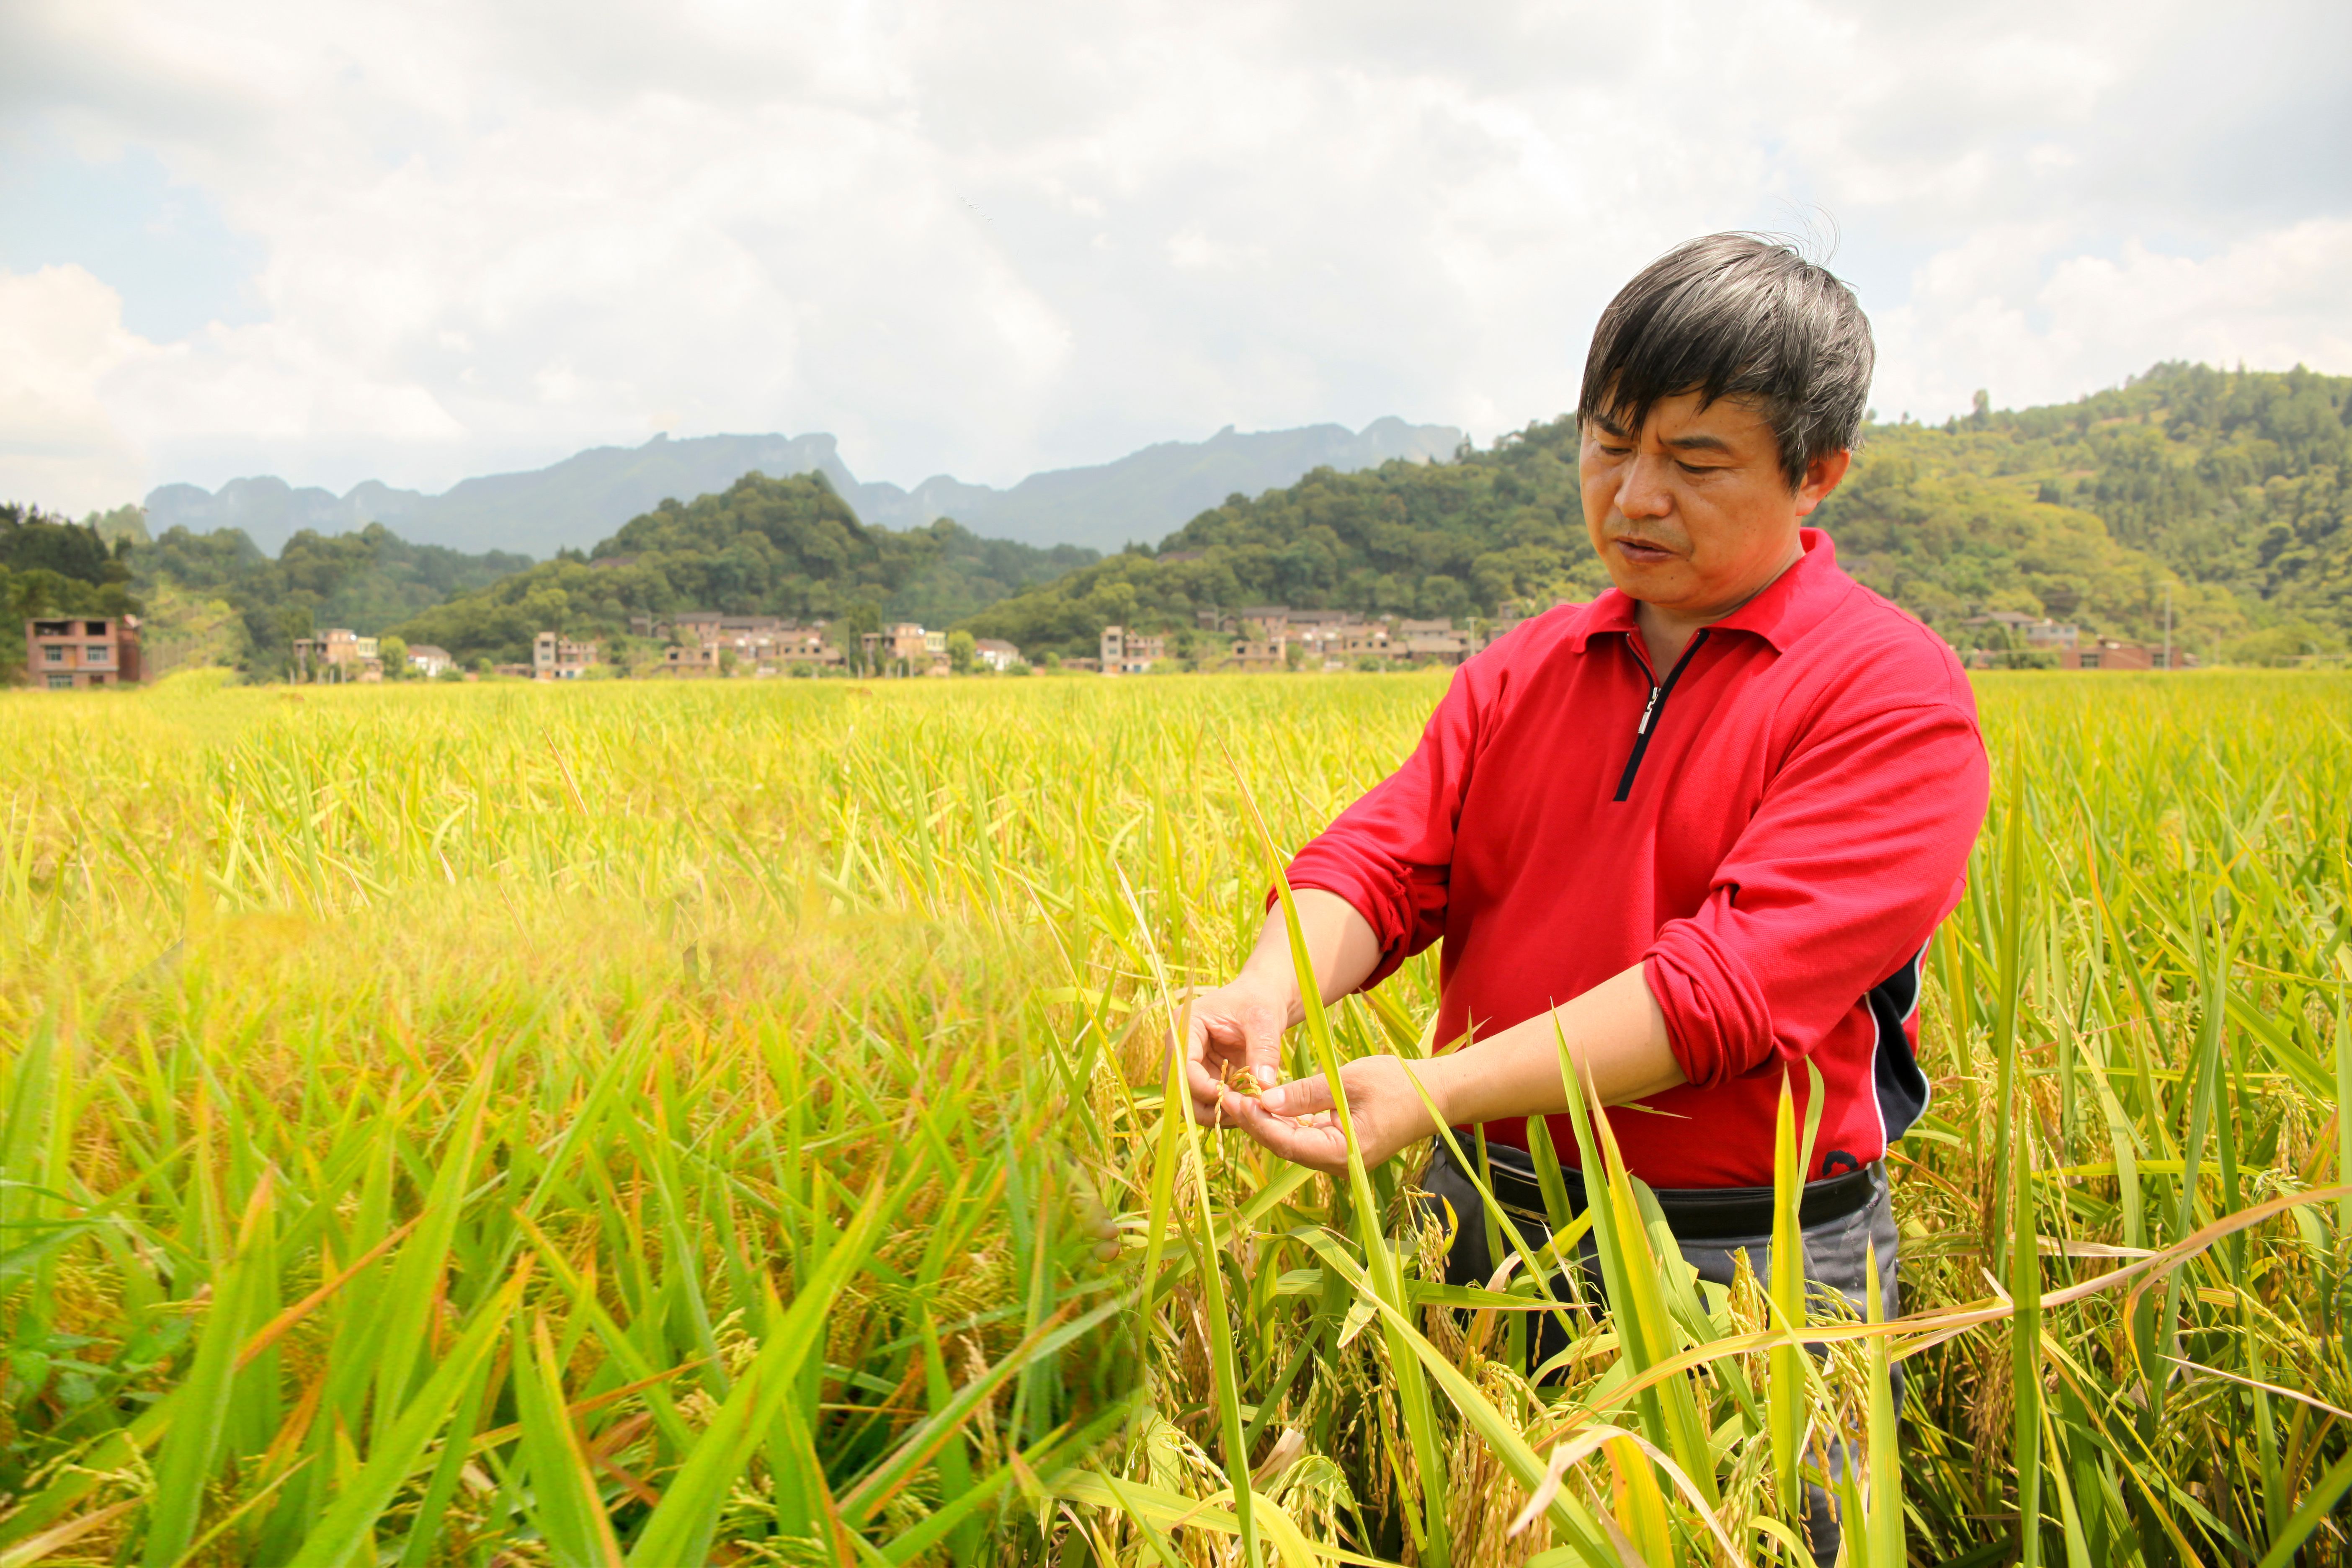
x=1774 y=845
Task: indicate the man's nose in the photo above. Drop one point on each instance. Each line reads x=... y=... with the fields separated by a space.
x=1644 y=492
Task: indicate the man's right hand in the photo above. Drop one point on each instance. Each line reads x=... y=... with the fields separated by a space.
x=1237 y=1026
x=1239 y=1023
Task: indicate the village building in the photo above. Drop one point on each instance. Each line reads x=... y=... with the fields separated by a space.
x=1337 y=639
x=1130 y=653
x=712 y=626
x=1257 y=654
x=690 y=658
x=554 y=657
x=72 y=653
x=906 y=648
x=704 y=642
x=2034 y=631
x=997 y=654
x=428 y=660
x=792 y=645
x=2110 y=653
x=336 y=654
x=1430 y=648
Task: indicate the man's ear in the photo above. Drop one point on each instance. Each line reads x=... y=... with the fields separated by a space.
x=1821 y=477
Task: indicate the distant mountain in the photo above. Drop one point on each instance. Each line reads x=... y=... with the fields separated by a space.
x=586 y=497
x=572 y=504
x=2211 y=506
x=1146 y=494
x=764 y=546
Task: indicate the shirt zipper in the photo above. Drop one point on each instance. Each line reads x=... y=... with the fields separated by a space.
x=1651 y=712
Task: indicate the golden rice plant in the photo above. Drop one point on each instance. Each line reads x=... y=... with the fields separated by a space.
x=670 y=1124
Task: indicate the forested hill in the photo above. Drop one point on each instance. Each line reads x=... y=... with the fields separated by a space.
x=2236 y=485
x=787 y=547
x=2226 y=488
x=214 y=598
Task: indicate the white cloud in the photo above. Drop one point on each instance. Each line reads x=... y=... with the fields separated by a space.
x=2272 y=300
x=987 y=239
x=60 y=332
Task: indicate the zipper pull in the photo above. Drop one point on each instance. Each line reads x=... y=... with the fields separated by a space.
x=1648 y=708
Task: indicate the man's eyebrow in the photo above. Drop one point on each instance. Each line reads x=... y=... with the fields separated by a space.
x=1700 y=443
x=1608 y=427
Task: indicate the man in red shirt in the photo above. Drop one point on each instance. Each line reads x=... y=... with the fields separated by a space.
x=1703 y=826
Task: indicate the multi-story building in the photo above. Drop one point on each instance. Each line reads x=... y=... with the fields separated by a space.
x=1334 y=638
x=68 y=654
x=428 y=660
x=1130 y=653
x=997 y=654
x=1258 y=654
x=711 y=625
x=554 y=657
x=337 y=654
x=690 y=658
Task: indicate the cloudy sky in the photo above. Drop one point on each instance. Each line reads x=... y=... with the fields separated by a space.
x=337 y=241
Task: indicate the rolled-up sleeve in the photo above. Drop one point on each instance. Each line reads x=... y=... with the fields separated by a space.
x=1857 y=851
x=1388 y=854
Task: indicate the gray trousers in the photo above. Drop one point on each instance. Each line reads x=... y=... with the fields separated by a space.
x=1836 y=1256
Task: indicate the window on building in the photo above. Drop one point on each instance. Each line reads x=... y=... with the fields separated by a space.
x=53 y=654
x=96 y=653
x=61 y=683
x=93 y=629
x=97 y=680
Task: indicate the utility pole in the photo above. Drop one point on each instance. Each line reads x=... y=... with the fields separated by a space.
x=2167 y=626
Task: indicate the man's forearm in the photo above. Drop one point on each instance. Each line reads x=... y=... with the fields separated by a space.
x=1615 y=1032
x=1340 y=943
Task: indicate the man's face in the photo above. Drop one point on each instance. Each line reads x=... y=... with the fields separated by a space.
x=1692 y=514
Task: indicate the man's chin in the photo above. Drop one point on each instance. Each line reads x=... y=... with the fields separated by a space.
x=1643 y=581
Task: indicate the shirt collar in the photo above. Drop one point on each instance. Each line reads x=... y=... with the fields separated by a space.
x=1790 y=605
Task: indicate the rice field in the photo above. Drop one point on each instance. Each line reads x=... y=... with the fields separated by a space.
x=725 y=1123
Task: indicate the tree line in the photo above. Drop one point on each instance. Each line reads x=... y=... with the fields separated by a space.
x=2220 y=494
x=2217 y=497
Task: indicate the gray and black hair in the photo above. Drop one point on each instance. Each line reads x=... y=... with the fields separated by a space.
x=1736 y=315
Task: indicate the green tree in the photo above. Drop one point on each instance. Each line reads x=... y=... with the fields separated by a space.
x=857 y=620
x=290 y=622
x=962 y=647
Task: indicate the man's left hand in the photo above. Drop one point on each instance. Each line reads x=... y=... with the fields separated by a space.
x=1296 y=1119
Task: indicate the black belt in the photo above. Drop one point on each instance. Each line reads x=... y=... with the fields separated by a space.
x=1693 y=1214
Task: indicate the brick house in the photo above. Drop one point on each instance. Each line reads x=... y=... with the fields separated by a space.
x=1130 y=653
x=75 y=653
x=693 y=659
x=554 y=657
x=337 y=654
x=1258 y=654
x=2109 y=653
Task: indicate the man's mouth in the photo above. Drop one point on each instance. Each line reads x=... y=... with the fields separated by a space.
x=1642 y=552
